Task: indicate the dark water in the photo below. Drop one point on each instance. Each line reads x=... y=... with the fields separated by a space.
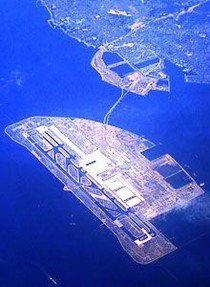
x=47 y=236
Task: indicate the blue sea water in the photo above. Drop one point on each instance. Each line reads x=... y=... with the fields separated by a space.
x=48 y=237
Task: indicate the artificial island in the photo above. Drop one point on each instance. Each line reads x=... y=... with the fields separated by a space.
x=109 y=170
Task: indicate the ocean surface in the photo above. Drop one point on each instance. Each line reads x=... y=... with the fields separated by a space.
x=49 y=238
